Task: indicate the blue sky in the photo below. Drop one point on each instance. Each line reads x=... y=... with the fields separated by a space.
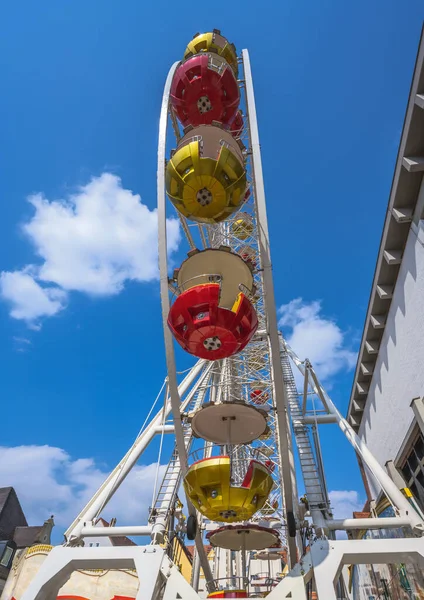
x=81 y=92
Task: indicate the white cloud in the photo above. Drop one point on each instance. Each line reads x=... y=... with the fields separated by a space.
x=93 y=242
x=21 y=340
x=48 y=481
x=344 y=503
x=29 y=300
x=316 y=337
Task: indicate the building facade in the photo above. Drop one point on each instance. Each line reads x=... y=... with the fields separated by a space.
x=387 y=401
x=99 y=584
x=15 y=534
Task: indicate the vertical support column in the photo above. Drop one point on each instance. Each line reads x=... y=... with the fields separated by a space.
x=280 y=393
x=195 y=574
x=164 y=292
x=243 y=559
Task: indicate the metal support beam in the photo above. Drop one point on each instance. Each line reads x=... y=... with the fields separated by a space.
x=405 y=509
x=169 y=348
x=116 y=531
x=318 y=419
x=281 y=402
x=377 y=523
x=114 y=480
x=63 y=561
x=165 y=429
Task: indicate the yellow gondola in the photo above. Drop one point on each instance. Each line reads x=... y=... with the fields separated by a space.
x=206 y=176
x=242 y=227
x=208 y=485
x=213 y=42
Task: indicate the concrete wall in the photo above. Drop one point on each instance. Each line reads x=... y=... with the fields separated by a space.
x=399 y=372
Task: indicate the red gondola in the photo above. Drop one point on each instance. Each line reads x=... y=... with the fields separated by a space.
x=204 y=89
x=205 y=329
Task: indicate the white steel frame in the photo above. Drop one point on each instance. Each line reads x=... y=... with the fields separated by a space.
x=160 y=577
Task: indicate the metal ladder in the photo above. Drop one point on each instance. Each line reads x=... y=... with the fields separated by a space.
x=170 y=484
x=313 y=486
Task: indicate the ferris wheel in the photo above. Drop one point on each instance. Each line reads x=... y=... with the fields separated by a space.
x=237 y=413
x=219 y=305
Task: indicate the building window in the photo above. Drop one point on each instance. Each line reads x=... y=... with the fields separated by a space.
x=412 y=469
x=5 y=559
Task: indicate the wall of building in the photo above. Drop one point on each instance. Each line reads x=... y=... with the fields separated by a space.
x=11 y=515
x=94 y=585
x=181 y=559
x=399 y=374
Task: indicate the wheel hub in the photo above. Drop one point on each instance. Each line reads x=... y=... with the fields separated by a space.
x=204 y=104
x=204 y=197
x=212 y=343
x=227 y=514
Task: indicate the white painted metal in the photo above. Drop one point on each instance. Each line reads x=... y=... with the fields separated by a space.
x=315 y=492
x=404 y=508
x=376 y=523
x=326 y=558
x=153 y=567
x=288 y=482
x=165 y=499
x=318 y=419
x=180 y=440
x=116 y=531
x=114 y=480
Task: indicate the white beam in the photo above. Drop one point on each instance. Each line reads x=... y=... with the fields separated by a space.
x=165 y=429
x=378 y=321
x=367 y=368
x=319 y=419
x=372 y=346
x=402 y=215
x=383 y=523
x=62 y=561
x=116 y=531
x=362 y=388
x=358 y=407
x=280 y=392
x=393 y=257
x=165 y=303
x=385 y=291
x=419 y=100
x=413 y=164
